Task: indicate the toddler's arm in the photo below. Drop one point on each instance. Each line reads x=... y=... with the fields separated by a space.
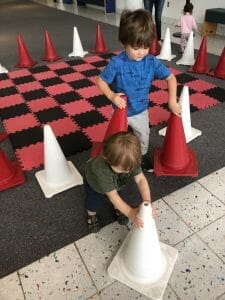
x=172 y=90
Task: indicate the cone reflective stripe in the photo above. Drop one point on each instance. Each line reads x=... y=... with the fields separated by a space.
x=155 y=48
x=99 y=42
x=187 y=58
x=201 y=63
x=25 y=61
x=117 y=123
x=175 y=158
x=189 y=132
x=50 y=53
x=165 y=52
x=58 y=174
x=220 y=68
x=3 y=69
x=77 y=46
x=10 y=174
x=142 y=262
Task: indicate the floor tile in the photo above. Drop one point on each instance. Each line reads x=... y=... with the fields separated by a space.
x=198 y=272
x=215 y=183
x=214 y=236
x=10 y=288
x=59 y=276
x=170 y=227
x=97 y=251
x=196 y=206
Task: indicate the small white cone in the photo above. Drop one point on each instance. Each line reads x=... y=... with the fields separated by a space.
x=165 y=52
x=189 y=132
x=187 y=58
x=58 y=174
x=77 y=46
x=142 y=262
x=3 y=69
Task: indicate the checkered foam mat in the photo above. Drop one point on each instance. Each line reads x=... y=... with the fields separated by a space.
x=65 y=96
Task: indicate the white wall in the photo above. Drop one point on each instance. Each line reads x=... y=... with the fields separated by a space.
x=173 y=8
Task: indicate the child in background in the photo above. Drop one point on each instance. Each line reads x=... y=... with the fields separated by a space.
x=132 y=72
x=187 y=24
x=107 y=174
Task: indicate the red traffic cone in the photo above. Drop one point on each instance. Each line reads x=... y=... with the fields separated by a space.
x=155 y=48
x=10 y=174
x=3 y=135
x=117 y=123
x=201 y=64
x=25 y=61
x=175 y=158
x=50 y=53
x=99 y=42
x=220 y=68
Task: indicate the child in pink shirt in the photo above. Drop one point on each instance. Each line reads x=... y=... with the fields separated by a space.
x=187 y=24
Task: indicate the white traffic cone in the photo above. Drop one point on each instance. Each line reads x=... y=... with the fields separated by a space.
x=142 y=262
x=165 y=52
x=3 y=69
x=77 y=46
x=190 y=132
x=187 y=58
x=58 y=174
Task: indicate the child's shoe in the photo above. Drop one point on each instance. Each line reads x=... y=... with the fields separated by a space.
x=146 y=164
x=93 y=223
x=121 y=218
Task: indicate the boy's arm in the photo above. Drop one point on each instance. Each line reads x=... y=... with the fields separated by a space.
x=172 y=91
x=113 y=97
x=143 y=187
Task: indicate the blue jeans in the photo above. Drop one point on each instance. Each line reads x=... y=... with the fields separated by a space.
x=158 y=5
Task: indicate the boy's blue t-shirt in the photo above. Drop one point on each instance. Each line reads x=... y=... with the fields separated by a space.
x=134 y=79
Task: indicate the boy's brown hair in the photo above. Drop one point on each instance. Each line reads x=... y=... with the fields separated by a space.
x=122 y=150
x=136 y=28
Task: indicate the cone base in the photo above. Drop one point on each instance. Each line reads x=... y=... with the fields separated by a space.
x=50 y=190
x=80 y=54
x=51 y=59
x=17 y=179
x=185 y=62
x=28 y=65
x=192 y=70
x=213 y=74
x=169 y=58
x=152 y=289
x=96 y=149
x=194 y=134
x=190 y=170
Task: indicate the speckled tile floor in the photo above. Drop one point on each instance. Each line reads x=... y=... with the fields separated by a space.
x=190 y=219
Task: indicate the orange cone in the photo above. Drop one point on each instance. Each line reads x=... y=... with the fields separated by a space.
x=201 y=64
x=25 y=61
x=99 y=43
x=155 y=48
x=50 y=53
x=220 y=68
x=10 y=174
x=175 y=158
x=117 y=123
x=3 y=135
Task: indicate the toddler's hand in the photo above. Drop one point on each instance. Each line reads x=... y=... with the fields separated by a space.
x=135 y=218
x=175 y=109
x=119 y=101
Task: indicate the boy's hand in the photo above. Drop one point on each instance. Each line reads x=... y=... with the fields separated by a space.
x=118 y=100
x=135 y=218
x=175 y=108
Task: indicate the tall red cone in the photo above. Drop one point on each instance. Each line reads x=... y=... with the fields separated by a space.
x=201 y=63
x=155 y=48
x=50 y=52
x=11 y=174
x=117 y=123
x=99 y=42
x=220 y=68
x=25 y=61
x=175 y=158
